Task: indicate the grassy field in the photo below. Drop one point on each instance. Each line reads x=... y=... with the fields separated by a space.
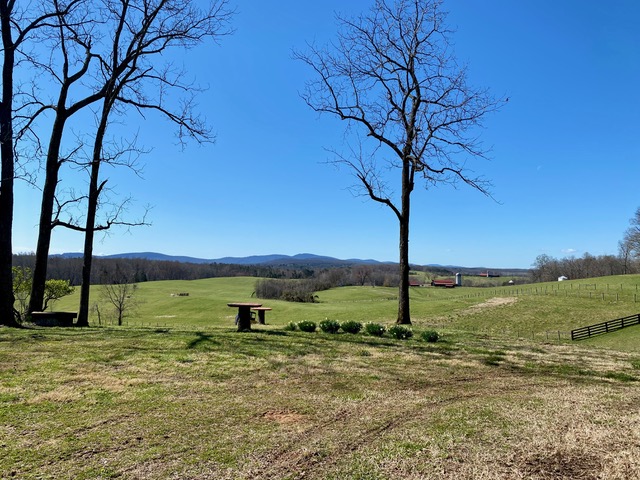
x=177 y=393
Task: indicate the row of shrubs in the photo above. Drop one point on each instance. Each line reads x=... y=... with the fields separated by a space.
x=399 y=332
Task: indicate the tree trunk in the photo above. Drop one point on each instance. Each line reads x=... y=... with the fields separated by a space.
x=46 y=210
x=7 y=173
x=92 y=208
x=89 y=234
x=44 y=238
x=404 y=312
x=87 y=256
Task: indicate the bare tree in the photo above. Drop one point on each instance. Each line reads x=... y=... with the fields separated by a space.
x=632 y=234
x=143 y=30
x=392 y=77
x=125 y=78
x=629 y=246
x=625 y=254
x=72 y=63
x=121 y=297
x=361 y=274
x=17 y=24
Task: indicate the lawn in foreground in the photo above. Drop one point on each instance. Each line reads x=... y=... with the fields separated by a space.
x=164 y=403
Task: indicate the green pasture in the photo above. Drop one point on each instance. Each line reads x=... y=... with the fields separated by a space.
x=176 y=392
x=540 y=312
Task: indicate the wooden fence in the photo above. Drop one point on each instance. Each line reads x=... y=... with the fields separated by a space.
x=605 y=327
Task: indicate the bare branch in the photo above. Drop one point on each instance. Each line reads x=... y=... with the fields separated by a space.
x=392 y=77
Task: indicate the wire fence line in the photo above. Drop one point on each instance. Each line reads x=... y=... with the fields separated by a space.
x=602 y=292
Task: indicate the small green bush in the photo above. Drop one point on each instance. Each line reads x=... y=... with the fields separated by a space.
x=329 y=326
x=430 y=336
x=400 y=332
x=307 y=326
x=351 y=326
x=291 y=327
x=374 y=329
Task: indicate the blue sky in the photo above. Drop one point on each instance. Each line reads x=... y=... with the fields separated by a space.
x=564 y=161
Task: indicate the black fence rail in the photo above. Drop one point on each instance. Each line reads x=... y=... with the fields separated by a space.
x=605 y=327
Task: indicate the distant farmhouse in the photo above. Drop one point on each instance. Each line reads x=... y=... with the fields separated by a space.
x=488 y=274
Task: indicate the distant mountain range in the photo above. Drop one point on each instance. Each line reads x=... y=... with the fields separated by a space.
x=302 y=259
x=275 y=259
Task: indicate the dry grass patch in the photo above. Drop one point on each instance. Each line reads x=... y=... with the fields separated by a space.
x=492 y=303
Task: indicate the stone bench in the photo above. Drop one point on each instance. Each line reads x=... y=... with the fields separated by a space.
x=53 y=319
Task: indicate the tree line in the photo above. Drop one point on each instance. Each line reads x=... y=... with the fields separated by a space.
x=304 y=290
x=137 y=270
x=549 y=269
x=627 y=261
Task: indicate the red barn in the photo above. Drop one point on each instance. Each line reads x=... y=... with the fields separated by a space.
x=444 y=282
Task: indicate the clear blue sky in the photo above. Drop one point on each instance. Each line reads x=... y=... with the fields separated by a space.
x=565 y=161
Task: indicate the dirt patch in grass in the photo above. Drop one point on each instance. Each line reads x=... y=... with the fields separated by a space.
x=283 y=417
x=492 y=303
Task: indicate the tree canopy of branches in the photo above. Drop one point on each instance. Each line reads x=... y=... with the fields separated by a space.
x=391 y=75
x=630 y=243
x=121 y=296
x=111 y=54
x=129 y=72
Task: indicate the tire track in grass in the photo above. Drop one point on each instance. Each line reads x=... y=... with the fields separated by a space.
x=303 y=454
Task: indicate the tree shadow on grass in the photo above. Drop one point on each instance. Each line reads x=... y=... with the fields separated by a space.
x=202 y=339
x=275 y=333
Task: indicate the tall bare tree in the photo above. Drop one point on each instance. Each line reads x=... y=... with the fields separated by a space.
x=141 y=31
x=632 y=234
x=123 y=77
x=70 y=63
x=391 y=75
x=625 y=253
x=17 y=24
